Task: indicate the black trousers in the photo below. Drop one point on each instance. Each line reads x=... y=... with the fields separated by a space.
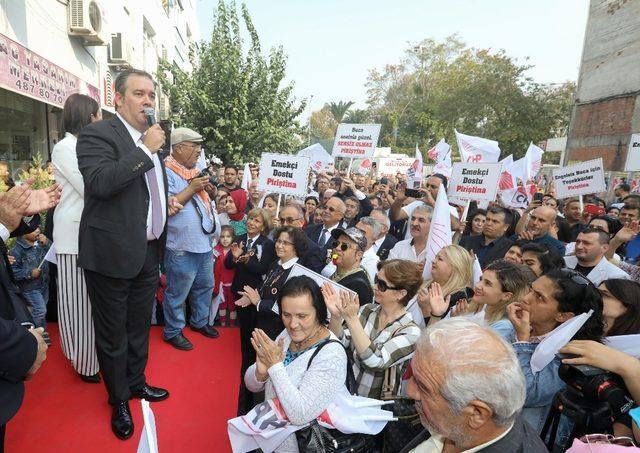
x=121 y=311
x=247 y=320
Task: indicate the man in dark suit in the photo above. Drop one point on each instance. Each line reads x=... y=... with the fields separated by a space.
x=385 y=241
x=332 y=215
x=22 y=351
x=492 y=244
x=121 y=239
x=293 y=215
x=454 y=420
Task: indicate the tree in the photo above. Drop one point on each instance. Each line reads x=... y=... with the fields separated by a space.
x=357 y=116
x=339 y=110
x=441 y=86
x=323 y=124
x=234 y=97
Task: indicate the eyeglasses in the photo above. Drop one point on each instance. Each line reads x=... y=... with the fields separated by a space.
x=288 y=220
x=283 y=242
x=341 y=245
x=331 y=208
x=382 y=285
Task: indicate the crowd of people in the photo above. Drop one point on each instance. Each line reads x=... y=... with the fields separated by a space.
x=143 y=237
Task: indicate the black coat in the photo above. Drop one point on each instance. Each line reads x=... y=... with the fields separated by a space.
x=315 y=257
x=386 y=246
x=252 y=272
x=266 y=318
x=521 y=439
x=360 y=283
x=496 y=251
x=313 y=232
x=113 y=227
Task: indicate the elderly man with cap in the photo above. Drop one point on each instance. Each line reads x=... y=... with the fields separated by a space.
x=347 y=250
x=187 y=260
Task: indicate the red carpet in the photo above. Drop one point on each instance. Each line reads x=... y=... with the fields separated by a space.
x=61 y=413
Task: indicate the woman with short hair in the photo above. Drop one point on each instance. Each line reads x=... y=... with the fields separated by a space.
x=74 y=310
x=284 y=369
x=381 y=334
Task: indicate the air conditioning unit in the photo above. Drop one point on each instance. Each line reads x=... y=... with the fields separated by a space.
x=120 y=51
x=86 y=20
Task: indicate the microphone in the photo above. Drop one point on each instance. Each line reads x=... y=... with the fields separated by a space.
x=150 y=113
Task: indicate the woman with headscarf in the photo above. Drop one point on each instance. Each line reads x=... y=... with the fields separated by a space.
x=236 y=206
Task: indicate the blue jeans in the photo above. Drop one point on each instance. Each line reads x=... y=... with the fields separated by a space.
x=38 y=299
x=188 y=274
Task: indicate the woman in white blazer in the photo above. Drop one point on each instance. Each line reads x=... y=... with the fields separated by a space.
x=74 y=311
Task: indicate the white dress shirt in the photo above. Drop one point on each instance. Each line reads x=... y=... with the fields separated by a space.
x=404 y=250
x=137 y=137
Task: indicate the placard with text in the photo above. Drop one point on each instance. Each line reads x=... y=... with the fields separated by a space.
x=579 y=179
x=356 y=140
x=284 y=173
x=474 y=181
x=633 y=155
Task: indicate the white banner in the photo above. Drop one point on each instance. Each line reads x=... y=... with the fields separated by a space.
x=390 y=166
x=284 y=173
x=633 y=155
x=475 y=181
x=579 y=179
x=356 y=140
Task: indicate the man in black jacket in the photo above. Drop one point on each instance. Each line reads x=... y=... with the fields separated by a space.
x=480 y=362
x=386 y=241
x=492 y=244
x=347 y=250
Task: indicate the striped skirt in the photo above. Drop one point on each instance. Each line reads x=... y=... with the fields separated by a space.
x=74 y=317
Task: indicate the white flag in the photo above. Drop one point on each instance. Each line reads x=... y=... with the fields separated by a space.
x=555 y=340
x=439 y=152
x=246 y=178
x=148 y=438
x=439 y=231
x=319 y=158
x=477 y=149
x=507 y=181
x=414 y=173
x=533 y=161
x=365 y=167
x=477 y=271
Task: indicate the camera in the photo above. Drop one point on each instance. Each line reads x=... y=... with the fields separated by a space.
x=213 y=179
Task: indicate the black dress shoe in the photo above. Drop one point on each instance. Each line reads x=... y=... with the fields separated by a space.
x=121 y=421
x=92 y=379
x=180 y=342
x=207 y=331
x=150 y=393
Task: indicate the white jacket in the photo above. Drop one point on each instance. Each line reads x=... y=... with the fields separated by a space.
x=604 y=270
x=66 y=218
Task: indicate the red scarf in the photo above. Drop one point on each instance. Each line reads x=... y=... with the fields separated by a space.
x=239 y=197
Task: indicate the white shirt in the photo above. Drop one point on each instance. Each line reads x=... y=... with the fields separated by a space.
x=604 y=270
x=408 y=209
x=435 y=444
x=370 y=262
x=137 y=137
x=404 y=250
x=377 y=244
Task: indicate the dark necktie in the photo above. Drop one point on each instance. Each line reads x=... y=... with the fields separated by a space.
x=322 y=240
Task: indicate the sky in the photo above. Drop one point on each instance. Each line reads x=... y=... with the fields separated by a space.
x=331 y=44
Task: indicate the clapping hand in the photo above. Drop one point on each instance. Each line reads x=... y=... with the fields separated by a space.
x=243 y=302
x=519 y=314
x=43 y=199
x=332 y=300
x=13 y=206
x=439 y=303
x=349 y=306
x=251 y=294
x=236 y=250
x=461 y=308
x=267 y=351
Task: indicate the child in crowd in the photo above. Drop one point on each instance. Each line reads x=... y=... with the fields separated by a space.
x=223 y=278
x=32 y=273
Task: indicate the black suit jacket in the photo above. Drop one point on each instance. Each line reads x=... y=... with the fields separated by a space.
x=386 y=246
x=315 y=258
x=497 y=251
x=313 y=232
x=251 y=273
x=113 y=227
x=521 y=439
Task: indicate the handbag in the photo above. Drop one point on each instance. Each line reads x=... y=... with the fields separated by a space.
x=397 y=434
x=315 y=438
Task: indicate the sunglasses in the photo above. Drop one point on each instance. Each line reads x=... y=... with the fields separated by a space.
x=382 y=285
x=341 y=245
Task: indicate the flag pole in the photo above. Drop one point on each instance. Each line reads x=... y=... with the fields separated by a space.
x=581 y=204
x=350 y=164
x=278 y=207
x=466 y=211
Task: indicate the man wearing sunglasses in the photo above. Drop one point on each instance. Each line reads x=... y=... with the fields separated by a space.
x=293 y=215
x=332 y=215
x=347 y=250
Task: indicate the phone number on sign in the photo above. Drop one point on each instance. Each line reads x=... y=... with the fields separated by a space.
x=41 y=92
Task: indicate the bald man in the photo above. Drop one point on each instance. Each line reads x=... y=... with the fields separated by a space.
x=332 y=215
x=537 y=228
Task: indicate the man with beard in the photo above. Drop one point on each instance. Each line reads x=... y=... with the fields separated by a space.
x=415 y=248
x=469 y=392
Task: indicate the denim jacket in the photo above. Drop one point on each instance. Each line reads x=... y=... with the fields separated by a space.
x=28 y=257
x=541 y=388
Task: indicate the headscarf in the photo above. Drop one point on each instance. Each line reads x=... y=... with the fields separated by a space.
x=239 y=197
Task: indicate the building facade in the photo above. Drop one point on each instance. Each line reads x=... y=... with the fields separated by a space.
x=607 y=107
x=50 y=49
